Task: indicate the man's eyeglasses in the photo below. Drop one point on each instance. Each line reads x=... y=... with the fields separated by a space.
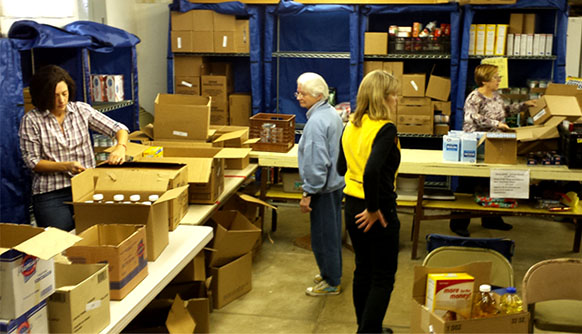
x=299 y=94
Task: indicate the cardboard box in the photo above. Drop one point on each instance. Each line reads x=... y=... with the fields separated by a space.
x=202 y=41
x=155 y=217
x=292 y=182
x=375 y=43
x=33 y=321
x=370 y=66
x=481 y=39
x=175 y=173
x=234 y=236
x=500 y=148
x=451 y=148
x=421 y=124
x=239 y=108
x=187 y=66
x=424 y=321
x=555 y=105
x=548 y=130
x=80 y=303
x=224 y=22
x=235 y=158
x=441 y=107
x=123 y=247
x=219 y=118
x=439 y=88
x=232 y=135
x=202 y=20
x=396 y=68
x=181 y=21
x=194 y=271
x=441 y=129
x=247 y=205
x=414 y=106
x=231 y=280
x=242 y=37
x=224 y=41
x=516 y=23
x=98 y=93
x=217 y=86
x=413 y=85
x=181 y=117
x=187 y=85
x=529 y=24
x=490 y=33
x=181 y=41
x=27 y=266
x=193 y=302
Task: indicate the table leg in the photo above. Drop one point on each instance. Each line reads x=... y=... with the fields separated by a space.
x=263 y=192
x=418 y=215
x=577 y=235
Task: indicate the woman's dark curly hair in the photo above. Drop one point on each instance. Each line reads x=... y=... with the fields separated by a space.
x=43 y=84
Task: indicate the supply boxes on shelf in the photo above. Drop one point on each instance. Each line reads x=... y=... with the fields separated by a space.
x=276 y=131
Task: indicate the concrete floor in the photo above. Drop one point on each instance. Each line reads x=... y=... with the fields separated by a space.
x=281 y=272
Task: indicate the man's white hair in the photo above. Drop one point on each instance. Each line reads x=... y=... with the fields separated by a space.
x=313 y=84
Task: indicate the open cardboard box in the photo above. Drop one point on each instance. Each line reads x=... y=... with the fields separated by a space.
x=80 y=303
x=424 y=321
x=155 y=217
x=123 y=247
x=176 y=173
x=500 y=147
x=234 y=235
x=559 y=100
x=232 y=280
x=27 y=267
x=183 y=117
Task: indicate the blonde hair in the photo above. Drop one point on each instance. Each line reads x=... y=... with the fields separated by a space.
x=374 y=89
x=484 y=73
x=313 y=84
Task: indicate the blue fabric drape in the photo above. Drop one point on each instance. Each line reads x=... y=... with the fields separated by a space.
x=14 y=177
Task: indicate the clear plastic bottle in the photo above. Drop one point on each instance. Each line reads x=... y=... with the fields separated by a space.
x=510 y=302
x=484 y=304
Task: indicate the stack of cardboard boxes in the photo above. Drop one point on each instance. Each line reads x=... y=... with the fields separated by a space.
x=41 y=296
x=210 y=32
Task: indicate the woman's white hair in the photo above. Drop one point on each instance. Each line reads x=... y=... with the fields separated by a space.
x=313 y=84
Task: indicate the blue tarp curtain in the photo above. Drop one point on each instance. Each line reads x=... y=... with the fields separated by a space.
x=245 y=74
x=455 y=21
x=14 y=177
x=333 y=22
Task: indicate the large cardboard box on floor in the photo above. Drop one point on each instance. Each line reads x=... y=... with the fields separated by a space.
x=27 y=267
x=154 y=216
x=231 y=280
x=194 y=271
x=424 y=321
x=234 y=235
x=413 y=85
x=176 y=173
x=559 y=100
x=123 y=247
x=80 y=303
x=33 y=321
x=247 y=205
x=183 y=117
x=195 y=304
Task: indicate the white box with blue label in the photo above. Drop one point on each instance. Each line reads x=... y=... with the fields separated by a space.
x=469 y=148
x=451 y=148
x=26 y=265
x=33 y=321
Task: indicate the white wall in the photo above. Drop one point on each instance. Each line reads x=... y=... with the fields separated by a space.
x=147 y=19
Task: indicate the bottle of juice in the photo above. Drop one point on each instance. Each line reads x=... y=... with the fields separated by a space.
x=484 y=304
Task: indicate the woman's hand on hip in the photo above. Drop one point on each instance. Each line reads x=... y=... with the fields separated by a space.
x=366 y=219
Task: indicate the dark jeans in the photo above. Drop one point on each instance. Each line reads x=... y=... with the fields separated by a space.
x=376 y=263
x=50 y=209
x=326 y=234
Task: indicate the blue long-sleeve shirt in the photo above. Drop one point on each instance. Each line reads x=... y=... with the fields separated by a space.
x=319 y=149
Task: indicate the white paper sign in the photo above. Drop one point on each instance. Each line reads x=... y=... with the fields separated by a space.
x=509 y=183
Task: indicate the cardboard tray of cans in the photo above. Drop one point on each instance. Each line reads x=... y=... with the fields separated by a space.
x=277 y=132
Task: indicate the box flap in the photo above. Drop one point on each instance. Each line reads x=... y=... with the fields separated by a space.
x=251 y=199
x=133 y=150
x=481 y=271
x=47 y=244
x=199 y=169
x=83 y=184
x=233 y=153
x=171 y=194
x=562 y=89
x=500 y=135
x=231 y=135
x=125 y=180
x=179 y=320
x=252 y=141
x=562 y=105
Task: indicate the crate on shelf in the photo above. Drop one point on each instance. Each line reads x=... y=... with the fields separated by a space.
x=277 y=132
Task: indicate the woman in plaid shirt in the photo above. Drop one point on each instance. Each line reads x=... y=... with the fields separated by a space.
x=56 y=144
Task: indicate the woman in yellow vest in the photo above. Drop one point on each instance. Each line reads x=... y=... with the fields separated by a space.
x=369 y=158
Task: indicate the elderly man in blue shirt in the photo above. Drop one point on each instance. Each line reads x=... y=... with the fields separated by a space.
x=322 y=185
